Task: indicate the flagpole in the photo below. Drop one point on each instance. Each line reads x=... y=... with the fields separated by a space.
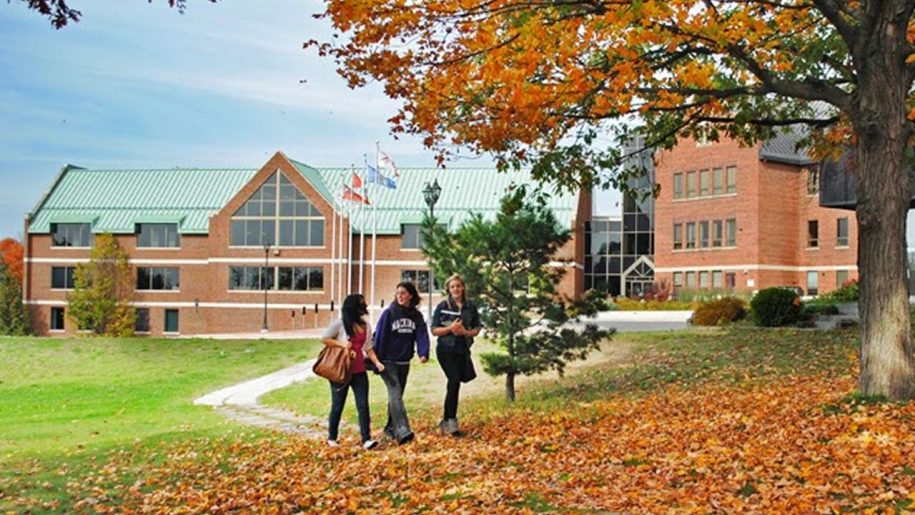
x=349 y=253
x=362 y=239
x=333 y=249
x=374 y=231
x=340 y=260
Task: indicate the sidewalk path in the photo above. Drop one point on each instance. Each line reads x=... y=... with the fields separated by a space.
x=239 y=403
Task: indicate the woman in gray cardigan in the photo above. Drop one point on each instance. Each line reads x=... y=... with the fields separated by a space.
x=352 y=332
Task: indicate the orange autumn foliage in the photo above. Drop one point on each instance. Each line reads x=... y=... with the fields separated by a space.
x=12 y=253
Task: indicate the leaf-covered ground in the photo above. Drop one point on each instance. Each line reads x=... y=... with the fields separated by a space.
x=792 y=446
x=735 y=421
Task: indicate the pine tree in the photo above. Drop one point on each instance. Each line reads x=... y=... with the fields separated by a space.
x=14 y=319
x=506 y=265
x=102 y=291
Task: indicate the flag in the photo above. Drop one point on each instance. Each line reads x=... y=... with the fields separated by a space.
x=375 y=176
x=385 y=161
x=349 y=194
x=357 y=181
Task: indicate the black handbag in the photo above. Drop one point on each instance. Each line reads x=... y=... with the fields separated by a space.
x=468 y=373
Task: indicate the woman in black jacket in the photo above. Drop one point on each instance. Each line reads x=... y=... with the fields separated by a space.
x=455 y=322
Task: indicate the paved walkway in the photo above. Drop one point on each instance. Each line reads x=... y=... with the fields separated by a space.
x=239 y=403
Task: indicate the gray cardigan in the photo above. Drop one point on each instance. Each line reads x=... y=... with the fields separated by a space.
x=335 y=330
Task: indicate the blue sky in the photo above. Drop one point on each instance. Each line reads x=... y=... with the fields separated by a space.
x=138 y=85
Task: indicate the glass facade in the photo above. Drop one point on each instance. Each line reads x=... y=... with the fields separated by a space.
x=615 y=245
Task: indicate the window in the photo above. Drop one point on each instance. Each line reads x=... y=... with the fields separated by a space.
x=813 y=234
x=141 y=323
x=717 y=233
x=250 y=278
x=842 y=232
x=690 y=279
x=157 y=236
x=678 y=236
x=171 y=320
x=730 y=281
x=813 y=181
x=731 y=224
x=812 y=282
x=704 y=183
x=678 y=279
x=703 y=234
x=690 y=184
x=157 y=278
x=691 y=235
x=717 y=281
x=412 y=235
x=57 y=319
x=277 y=214
x=300 y=278
x=703 y=280
x=62 y=277
x=717 y=181
x=841 y=277
x=678 y=186
x=71 y=235
x=732 y=179
x=420 y=278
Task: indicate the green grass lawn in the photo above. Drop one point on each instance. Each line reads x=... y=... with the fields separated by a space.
x=65 y=402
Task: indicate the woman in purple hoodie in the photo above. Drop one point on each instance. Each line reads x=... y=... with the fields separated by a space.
x=400 y=327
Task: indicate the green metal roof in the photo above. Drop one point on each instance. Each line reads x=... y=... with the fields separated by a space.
x=464 y=191
x=115 y=200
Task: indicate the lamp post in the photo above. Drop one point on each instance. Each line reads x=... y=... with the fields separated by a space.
x=431 y=193
x=264 y=328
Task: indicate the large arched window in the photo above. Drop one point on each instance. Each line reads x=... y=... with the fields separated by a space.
x=279 y=215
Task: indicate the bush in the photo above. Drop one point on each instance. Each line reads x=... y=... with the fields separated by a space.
x=821 y=307
x=651 y=305
x=774 y=307
x=847 y=293
x=720 y=312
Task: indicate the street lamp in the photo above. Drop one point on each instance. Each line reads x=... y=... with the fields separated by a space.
x=431 y=193
x=264 y=328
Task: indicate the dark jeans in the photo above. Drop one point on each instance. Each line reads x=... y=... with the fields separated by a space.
x=395 y=380
x=451 y=363
x=360 y=385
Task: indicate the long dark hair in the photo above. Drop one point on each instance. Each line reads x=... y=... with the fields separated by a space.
x=411 y=289
x=353 y=310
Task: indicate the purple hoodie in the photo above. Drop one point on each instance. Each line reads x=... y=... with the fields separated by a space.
x=395 y=333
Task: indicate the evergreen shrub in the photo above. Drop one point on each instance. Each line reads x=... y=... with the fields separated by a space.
x=773 y=307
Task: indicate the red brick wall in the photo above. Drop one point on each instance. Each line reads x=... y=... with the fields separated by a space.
x=772 y=209
x=205 y=303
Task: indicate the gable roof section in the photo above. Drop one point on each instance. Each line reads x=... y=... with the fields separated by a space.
x=464 y=191
x=115 y=200
x=118 y=199
x=783 y=149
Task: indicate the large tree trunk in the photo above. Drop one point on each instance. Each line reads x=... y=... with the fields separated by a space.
x=884 y=192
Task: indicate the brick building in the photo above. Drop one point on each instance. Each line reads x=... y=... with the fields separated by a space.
x=195 y=239
x=745 y=218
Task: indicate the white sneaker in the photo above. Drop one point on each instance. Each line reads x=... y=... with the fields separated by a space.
x=332 y=443
x=370 y=444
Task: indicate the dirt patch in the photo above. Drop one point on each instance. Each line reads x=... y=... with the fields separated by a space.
x=612 y=352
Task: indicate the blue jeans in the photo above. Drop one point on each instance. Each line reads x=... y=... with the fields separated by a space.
x=360 y=385
x=395 y=380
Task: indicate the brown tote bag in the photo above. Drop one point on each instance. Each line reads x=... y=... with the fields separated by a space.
x=335 y=364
